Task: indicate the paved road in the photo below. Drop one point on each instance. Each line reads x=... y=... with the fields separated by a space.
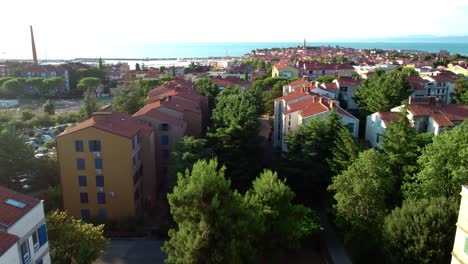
x=335 y=246
x=133 y=252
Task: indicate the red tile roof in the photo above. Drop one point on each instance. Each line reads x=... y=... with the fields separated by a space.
x=151 y=111
x=6 y=241
x=348 y=81
x=230 y=81
x=10 y=214
x=441 y=114
x=313 y=106
x=299 y=82
x=329 y=86
x=281 y=64
x=388 y=117
x=113 y=122
x=295 y=94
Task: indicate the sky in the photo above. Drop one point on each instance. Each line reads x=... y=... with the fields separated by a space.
x=85 y=28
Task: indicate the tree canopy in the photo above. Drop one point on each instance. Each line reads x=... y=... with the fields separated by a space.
x=421 y=231
x=88 y=107
x=382 y=91
x=15 y=156
x=72 y=240
x=89 y=84
x=49 y=107
x=460 y=92
x=325 y=79
x=345 y=150
x=207 y=88
x=128 y=99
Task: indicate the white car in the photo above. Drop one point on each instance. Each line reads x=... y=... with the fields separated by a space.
x=47 y=138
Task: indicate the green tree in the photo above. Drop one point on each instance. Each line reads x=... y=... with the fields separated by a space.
x=409 y=71
x=187 y=151
x=212 y=224
x=5 y=79
x=88 y=107
x=89 y=85
x=37 y=84
x=49 y=107
x=15 y=155
x=460 y=92
x=128 y=99
x=325 y=79
x=345 y=151
x=12 y=88
x=162 y=69
x=54 y=84
x=137 y=67
x=173 y=71
x=421 y=231
x=207 y=88
x=74 y=241
x=234 y=133
x=361 y=200
x=382 y=91
x=443 y=166
x=27 y=114
x=45 y=171
x=100 y=65
x=284 y=224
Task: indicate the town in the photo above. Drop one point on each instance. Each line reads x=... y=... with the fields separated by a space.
x=273 y=157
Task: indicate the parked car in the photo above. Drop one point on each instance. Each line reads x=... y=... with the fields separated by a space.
x=46 y=137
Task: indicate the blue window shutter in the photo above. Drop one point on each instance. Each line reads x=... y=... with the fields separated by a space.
x=82 y=181
x=101 y=198
x=85 y=215
x=98 y=145
x=78 y=145
x=160 y=127
x=84 y=197
x=133 y=142
x=99 y=181
x=80 y=164
x=42 y=233
x=98 y=164
x=102 y=213
x=90 y=146
x=165 y=139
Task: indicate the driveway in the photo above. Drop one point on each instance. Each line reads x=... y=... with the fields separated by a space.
x=133 y=251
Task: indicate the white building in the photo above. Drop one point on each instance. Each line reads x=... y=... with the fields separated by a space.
x=23 y=233
x=441 y=86
x=363 y=70
x=301 y=105
x=426 y=114
x=460 y=245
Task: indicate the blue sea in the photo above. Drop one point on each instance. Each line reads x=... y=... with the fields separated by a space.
x=203 y=50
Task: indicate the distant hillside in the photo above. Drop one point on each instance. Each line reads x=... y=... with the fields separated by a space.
x=412 y=38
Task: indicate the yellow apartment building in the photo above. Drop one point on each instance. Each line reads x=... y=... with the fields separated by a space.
x=101 y=166
x=460 y=246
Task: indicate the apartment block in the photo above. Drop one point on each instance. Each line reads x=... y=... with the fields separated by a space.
x=460 y=246
x=107 y=167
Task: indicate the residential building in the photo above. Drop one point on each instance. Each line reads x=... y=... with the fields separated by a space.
x=231 y=81
x=426 y=114
x=301 y=105
x=460 y=245
x=239 y=70
x=460 y=68
x=314 y=70
x=101 y=167
x=285 y=70
x=441 y=85
x=45 y=71
x=348 y=87
x=117 y=71
x=174 y=110
x=23 y=232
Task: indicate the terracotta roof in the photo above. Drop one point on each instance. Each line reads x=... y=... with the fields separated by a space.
x=11 y=214
x=299 y=82
x=229 y=81
x=281 y=64
x=292 y=95
x=388 y=117
x=6 y=241
x=180 y=83
x=151 y=111
x=348 y=81
x=313 y=106
x=451 y=112
x=113 y=122
x=329 y=86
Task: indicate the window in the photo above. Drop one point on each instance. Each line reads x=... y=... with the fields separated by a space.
x=165 y=153
x=100 y=181
x=83 y=197
x=164 y=127
x=165 y=139
x=35 y=239
x=39 y=261
x=80 y=164
x=133 y=143
x=85 y=215
x=42 y=234
x=139 y=155
x=138 y=138
x=103 y=213
x=134 y=161
x=82 y=181
x=350 y=127
x=25 y=251
x=79 y=145
x=137 y=194
x=101 y=198
x=98 y=164
x=379 y=123
x=94 y=145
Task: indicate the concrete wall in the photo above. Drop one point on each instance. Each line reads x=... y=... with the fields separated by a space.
x=12 y=255
x=373 y=132
x=461 y=236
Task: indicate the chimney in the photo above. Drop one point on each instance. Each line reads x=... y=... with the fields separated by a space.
x=438 y=102
x=101 y=116
x=33 y=46
x=409 y=100
x=313 y=99
x=331 y=104
x=304 y=89
x=320 y=99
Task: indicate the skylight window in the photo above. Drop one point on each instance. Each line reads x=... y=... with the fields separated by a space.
x=15 y=203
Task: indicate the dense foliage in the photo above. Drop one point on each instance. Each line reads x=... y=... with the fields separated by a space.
x=128 y=99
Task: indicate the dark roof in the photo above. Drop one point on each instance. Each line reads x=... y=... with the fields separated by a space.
x=10 y=214
x=6 y=241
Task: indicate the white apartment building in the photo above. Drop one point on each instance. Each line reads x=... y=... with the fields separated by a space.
x=23 y=232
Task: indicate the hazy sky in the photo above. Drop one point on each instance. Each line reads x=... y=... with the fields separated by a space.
x=87 y=28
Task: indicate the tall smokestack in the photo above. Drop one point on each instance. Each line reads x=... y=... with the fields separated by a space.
x=33 y=46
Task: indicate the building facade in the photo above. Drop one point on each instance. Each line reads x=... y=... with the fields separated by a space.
x=460 y=245
x=101 y=167
x=23 y=231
